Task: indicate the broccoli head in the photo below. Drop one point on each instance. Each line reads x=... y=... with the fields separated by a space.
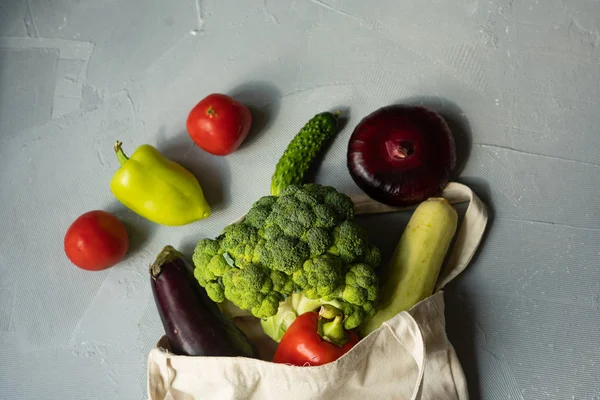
x=304 y=242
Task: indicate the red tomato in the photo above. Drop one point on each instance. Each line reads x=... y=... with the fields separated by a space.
x=219 y=124
x=96 y=240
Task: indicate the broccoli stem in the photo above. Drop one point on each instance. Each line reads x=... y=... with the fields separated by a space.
x=331 y=325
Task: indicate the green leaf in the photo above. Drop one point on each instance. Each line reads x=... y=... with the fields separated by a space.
x=229 y=260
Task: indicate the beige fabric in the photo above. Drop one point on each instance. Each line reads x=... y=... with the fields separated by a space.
x=409 y=357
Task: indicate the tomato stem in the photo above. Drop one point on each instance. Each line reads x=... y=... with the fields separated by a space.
x=120 y=154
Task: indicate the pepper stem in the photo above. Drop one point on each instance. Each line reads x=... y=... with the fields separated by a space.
x=120 y=154
x=327 y=311
x=331 y=325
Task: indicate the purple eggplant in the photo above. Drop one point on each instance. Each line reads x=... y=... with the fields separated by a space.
x=193 y=323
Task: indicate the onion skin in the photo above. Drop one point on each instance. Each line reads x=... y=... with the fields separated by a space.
x=400 y=155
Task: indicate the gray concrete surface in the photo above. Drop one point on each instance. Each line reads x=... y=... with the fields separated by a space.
x=517 y=79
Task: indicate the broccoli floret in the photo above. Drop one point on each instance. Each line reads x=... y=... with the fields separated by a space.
x=302 y=243
x=286 y=254
x=301 y=208
x=208 y=246
x=244 y=254
x=215 y=291
x=257 y=216
x=319 y=277
x=237 y=237
x=239 y=242
x=372 y=256
x=271 y=231
x=325 y=217
x=318 y=240
x=354 y=295
x=282 y=283
x=355 y=315
x=202 y=259
x=268 y=306
x=203 y=275
x=311 y=199
x=267 y=286
x=341 y=203
x=266 y=201
x=370 y=309
x=318 y=190
x=260 y=254
x=243 y=286
x=289 y=190
x=209 y=261
x=349 y=241
x=361 y=284
x=292 y=216
x=218 y=265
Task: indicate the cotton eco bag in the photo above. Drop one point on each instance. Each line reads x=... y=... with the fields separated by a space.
x=408 y=357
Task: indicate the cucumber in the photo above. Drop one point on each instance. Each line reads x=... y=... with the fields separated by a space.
x=415 y=265
x=302 y=152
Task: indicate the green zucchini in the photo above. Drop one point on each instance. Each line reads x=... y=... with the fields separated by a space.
x=302 y=152
x=415 y=265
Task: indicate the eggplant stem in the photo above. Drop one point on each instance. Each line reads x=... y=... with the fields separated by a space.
x=167 y=254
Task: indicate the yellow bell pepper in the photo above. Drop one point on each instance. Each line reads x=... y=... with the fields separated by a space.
x=157 y=188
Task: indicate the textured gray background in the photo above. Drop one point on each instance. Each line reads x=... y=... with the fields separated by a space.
x=517 y=79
